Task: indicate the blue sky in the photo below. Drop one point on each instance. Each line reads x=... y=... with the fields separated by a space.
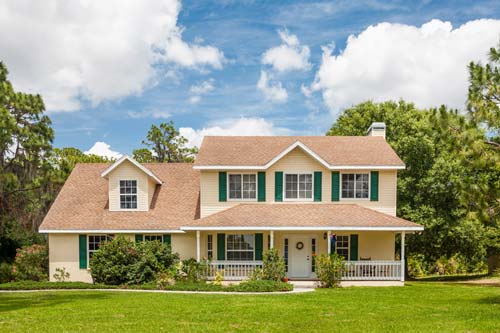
x=223 y=90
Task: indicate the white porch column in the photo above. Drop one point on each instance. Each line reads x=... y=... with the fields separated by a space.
x=271 y=239
x=329 y=239
x=198 y=247
x=402 y=256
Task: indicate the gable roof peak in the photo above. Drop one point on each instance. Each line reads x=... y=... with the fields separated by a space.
x=124 y=158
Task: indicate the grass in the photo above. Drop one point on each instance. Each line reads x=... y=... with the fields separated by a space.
x=417 y=307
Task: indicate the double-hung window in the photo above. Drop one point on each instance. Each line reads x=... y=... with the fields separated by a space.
x=150 y=238
x=128 y=194
x=240 y=247
x=210 y=246
x=342 y=246
x=94 y=241
x=242 y=186
x=355 y=186
x=298 y=186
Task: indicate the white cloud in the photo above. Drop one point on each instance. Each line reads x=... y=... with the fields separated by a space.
x=425 y=65
x=288 y=56
x=94 y=51
x=232 y=127
x=203 y=88
x=156 y=114
x=273 y=92
x=103 y=149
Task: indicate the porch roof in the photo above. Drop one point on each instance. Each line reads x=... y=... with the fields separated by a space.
x=311 y=216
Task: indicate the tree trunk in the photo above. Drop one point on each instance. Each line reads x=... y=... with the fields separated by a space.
x=493 y=263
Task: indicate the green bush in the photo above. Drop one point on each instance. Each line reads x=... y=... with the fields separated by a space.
x=111 y=263
x=40 y=285
x=122 y=261
x=154 y=257
x=329 y=269
x=416 y=266
x=190 y=270
x=31 y=263
x=6 y=274
x=273 y=266
x=260 y=286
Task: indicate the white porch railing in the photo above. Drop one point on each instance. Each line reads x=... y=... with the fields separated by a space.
x=355 y=270
x=372 y=270
x=233 y=270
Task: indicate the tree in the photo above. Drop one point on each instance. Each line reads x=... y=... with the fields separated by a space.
x=167 y=145
x=430 y=188
x=143 y=155
x=25 y=141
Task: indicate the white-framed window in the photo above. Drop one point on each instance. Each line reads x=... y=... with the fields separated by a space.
x=342 y=246
x=298 y=186
x=128 y=194
x=355 y=185
x=93 y=243
x=210 y=246
x=150 y=238
x=242 y=186
x=240 y=247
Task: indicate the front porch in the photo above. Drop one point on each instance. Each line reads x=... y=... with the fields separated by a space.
x=379 y=270
x=235 y=254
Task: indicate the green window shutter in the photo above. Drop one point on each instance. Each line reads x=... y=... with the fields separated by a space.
x=221 y=246
x=261 y=185
x=374 y=186
x=167 y=239
x=278 y=186
x=335 y=186
x=258 y=246
x=318 y=177
x=83 y=251
x=139 y=238
x=222 y=186
x=353 y=247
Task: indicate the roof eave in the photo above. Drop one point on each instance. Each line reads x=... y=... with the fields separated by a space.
x=124 y=158
x=330 y=167
x=303 y=228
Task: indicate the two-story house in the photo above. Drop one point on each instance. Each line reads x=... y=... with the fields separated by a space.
x=304 y=195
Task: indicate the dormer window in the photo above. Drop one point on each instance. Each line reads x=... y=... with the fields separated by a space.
x=128 y=194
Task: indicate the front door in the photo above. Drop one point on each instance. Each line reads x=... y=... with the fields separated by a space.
x=300 y=257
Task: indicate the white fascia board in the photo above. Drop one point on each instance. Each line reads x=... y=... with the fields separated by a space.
x=110 y=231
x=292 y=147
x=134 y=162
x=332 y=228
x=330 y=167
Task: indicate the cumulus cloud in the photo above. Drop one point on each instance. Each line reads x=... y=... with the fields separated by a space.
x=426 y=65
x=288 y=56
x=232 y=127
x=273 y=91
x=155 y=114
x=203 y=88
x=94 y=51
x=103 y=149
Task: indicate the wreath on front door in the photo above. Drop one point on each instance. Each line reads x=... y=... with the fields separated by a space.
x=299 y=245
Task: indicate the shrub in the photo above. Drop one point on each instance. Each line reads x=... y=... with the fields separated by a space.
x=260 y=286
x=256 y=275
x=165 y=279
x=123 y=261
x=111 y=263
x=61 y=275
x=415 y=266
x=191 y=270
x=273 y=266
x=329 y=269
x=31 y=263
x=153 y=257
x=6 y=274
x=219 y=277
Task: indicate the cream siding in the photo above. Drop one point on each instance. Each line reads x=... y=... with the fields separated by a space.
x=299 y=161
x=128 y=171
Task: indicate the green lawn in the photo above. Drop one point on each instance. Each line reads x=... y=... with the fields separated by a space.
x=416 y=307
